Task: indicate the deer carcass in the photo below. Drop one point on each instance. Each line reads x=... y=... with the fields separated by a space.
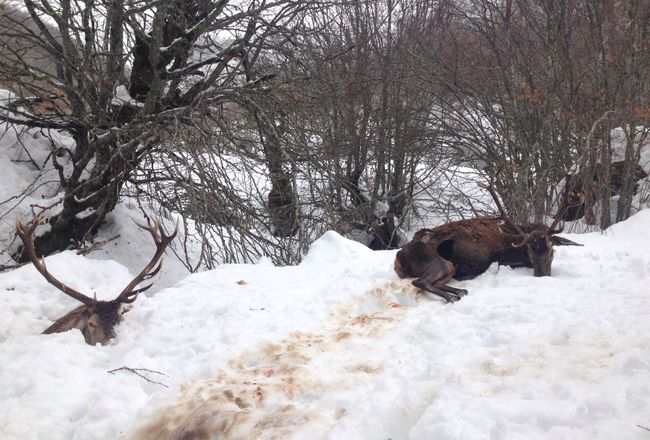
x=465 y=249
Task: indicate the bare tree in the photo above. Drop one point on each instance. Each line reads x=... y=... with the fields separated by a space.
x=533 y=89
x=367 y=111
x=120 y=74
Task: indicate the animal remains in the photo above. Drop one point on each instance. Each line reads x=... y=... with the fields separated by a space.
x=465 y=249
x=96 y=319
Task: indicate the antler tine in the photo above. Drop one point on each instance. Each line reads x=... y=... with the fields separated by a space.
x=563 y=207
x=162 y=240
x=504 y=216
x=26 y=234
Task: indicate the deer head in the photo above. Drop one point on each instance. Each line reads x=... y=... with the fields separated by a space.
x=96 y=319
x=537 y=239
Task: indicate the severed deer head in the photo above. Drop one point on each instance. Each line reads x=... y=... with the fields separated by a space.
x=96 y=319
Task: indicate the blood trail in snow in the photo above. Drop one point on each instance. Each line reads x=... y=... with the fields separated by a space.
x=269 y=391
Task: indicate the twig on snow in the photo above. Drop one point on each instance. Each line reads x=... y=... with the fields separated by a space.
x=96 y=246
x=137 y=372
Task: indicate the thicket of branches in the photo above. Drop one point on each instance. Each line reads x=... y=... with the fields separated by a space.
x=266 y=123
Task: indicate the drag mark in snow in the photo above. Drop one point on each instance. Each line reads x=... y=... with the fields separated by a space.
x=272 y=390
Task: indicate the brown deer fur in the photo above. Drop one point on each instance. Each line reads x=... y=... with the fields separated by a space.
x=471 y=246
x=432 y=271
x=465 y=249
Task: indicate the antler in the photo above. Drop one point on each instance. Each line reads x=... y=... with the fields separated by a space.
x=162 y=240
x=561 y=210
x=504 y=216
x=26 y=234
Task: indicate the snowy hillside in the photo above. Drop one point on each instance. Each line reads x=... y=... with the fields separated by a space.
x=340 y=348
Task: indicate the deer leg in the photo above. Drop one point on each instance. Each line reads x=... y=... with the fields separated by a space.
x=436 y=273
x=421 y=284
x=458 y=292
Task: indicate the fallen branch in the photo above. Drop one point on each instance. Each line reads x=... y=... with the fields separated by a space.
x=137 y=372
x=643 y=427
x=96 y=246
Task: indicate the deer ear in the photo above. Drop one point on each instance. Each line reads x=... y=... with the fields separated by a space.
x=559 y=241
x=68 y=322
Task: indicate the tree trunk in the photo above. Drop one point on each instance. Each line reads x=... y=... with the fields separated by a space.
x=69 y=228
x=282 y=199
x=88 y=198
x=604 y=179
x=627 y=177
x=283 y=205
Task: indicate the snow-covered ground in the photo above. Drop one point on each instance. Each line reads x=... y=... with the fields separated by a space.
x=336 y=348
x=339 y=348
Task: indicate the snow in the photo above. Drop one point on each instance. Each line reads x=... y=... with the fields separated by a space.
x=339 y=348
x=335 y=348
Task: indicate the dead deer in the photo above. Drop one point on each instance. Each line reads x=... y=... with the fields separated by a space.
x=465 y=249
x=419 y=259
x=96 y=319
